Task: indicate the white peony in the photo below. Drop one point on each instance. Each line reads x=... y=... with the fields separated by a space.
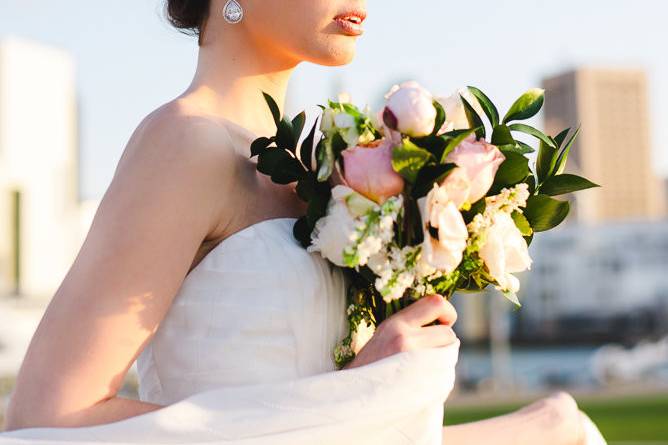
x=333 y=233
x=505 y=252
x=440 y=212
x=412 y=107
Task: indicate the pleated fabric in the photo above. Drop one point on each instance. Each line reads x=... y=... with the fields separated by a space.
x=244 y=356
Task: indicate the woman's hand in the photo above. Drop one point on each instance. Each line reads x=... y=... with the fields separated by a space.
x=407 y=330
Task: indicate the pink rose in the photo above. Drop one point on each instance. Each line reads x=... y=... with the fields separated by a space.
x=505 y=252
x=442 y=214
x=481 y=161
x=410 y=110
x=368 y=170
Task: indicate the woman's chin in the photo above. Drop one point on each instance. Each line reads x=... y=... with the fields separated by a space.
x=340 y=53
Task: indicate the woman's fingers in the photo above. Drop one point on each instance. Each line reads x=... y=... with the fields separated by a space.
x=436 y=336
x=429 y=309
x=407 y=330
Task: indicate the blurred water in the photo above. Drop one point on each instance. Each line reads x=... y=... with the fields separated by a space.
x=532 y=368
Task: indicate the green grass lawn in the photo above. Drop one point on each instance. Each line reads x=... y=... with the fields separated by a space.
x=627 y=419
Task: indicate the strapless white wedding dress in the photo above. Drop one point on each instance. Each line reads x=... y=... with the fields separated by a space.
x=244 y=356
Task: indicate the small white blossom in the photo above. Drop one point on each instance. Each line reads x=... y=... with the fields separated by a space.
x=361 y=335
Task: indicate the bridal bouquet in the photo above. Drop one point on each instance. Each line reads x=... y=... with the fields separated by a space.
x=423 y=197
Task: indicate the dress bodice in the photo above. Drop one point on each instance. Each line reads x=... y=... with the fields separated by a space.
x=257 y=309
x=244 y=357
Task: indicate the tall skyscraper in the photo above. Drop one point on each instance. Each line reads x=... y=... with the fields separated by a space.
x=40 y=212
x=614 y=148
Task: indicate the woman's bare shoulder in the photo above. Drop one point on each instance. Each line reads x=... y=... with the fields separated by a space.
x=177 y=129
x=177 y=140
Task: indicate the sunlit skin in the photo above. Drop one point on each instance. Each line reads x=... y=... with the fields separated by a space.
x=181 y=187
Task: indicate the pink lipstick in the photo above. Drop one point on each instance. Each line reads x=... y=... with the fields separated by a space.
x=351 y=22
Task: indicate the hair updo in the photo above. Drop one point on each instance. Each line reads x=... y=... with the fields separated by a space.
x=188 y=16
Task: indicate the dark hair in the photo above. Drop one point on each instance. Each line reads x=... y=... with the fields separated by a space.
x=188 y=16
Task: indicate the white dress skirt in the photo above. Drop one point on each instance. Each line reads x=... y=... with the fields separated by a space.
x=244 y=356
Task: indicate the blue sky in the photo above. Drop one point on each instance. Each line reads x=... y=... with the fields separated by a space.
x=129 y=60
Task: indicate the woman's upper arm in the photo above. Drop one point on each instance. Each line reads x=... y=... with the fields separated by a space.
x=166 y=196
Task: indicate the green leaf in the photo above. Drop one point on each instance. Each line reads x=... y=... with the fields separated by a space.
x=528 y=239
x=458 y=136
x=520 y=148
x=268 y=161
x=531 y=182
x=429 y=175
x=434 y=144
x=522 y=223
x=531 y=131
x=273 y=106
x=408 y=159
x=352 y=110
x=476 y=208
x=487 y=106
x=306 y=188
x=260 y=145
x=287 y=171
x=338 y=145
x=525 y=148
x=527 y=106
x=302 y=232
x=512 y=171
x=306 y=151
x=440 y=117
x=560 y=165
x=561 y=137
x=474 y=119
x=502 y=136
x=545 y=213
x=298 y=125
x=547 y=158
x=317 y=206
x=285 y=137
x=563 y=184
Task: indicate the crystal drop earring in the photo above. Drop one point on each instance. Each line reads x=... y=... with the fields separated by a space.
x=233 y=12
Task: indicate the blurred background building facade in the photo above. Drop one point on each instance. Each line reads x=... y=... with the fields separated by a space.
x=42 y=221
x=614 y=148
x=601 y=276
x=596 y=284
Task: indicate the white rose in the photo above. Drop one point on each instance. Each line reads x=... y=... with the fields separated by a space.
x=361 y=336
x=455 y=113
x=332 y=233
x=505 y=252
x=412 y=109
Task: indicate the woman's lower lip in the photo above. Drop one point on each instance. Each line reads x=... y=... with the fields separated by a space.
x=350 y=28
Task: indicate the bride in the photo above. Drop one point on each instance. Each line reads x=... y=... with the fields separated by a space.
x=190 y=268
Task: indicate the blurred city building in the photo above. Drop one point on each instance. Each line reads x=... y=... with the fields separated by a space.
x=42 y=220
x=614 y=149
x=597 y=283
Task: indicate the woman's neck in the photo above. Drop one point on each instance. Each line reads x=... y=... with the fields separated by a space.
x=232 y=72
